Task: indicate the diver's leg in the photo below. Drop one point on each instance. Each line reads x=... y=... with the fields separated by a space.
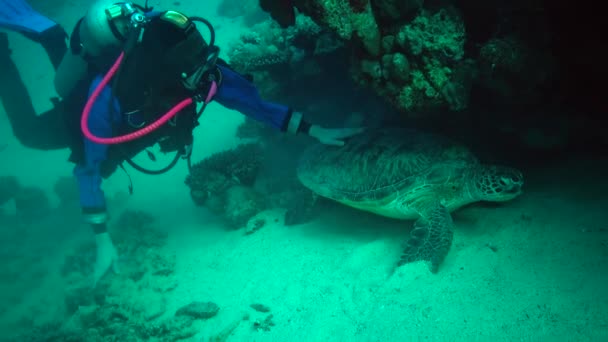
x=19 y=16
x=47 y=131
x=54 y=42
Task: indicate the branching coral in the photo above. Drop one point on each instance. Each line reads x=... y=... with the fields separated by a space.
x=267 y=44
x=348 y=19
x=239 y=166
x=440 y=34
x=277 y=58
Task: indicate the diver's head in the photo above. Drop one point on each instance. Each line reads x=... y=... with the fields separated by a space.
x=101 y=32
x=106 y=26
x=181 y=51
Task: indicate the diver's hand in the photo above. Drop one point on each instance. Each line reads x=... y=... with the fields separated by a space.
x=107 y=257
x=333 y=136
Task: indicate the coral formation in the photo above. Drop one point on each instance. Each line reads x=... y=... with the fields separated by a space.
x=418 y=63
x=348 y=20
x=440 y=34
x=274 y=57
x=218 y=172
x=130 y=306
x=266 y=45
x=224 y=181
x=241 y=204
x=404 y=52
x=426 y=58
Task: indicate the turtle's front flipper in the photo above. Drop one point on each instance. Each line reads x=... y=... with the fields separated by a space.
x=431 y=238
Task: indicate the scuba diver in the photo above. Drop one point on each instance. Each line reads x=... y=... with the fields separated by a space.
x=133 y=77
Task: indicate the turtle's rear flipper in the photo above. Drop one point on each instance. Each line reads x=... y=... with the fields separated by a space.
x=430 y=239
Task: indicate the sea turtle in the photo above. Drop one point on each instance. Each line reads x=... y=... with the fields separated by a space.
x=406 y=174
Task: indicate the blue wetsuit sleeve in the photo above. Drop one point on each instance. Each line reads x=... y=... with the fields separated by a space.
x=239 y=94
x=88 y=173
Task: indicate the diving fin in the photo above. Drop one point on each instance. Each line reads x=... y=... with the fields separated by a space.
x=18 y=15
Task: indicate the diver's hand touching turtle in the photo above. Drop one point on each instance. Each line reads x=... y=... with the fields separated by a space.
x=107 y=257
x=333 y=136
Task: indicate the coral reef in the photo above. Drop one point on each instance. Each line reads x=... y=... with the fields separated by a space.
x=440 y=34
x=406 y=53
x=268 y=45
x=419 y=62
x=218 y=172
x=241 y=204
x=224 y=182
x=274 y=57
x=454 y=59
x=130 y=306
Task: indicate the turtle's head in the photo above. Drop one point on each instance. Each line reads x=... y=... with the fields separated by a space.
x=497 y=183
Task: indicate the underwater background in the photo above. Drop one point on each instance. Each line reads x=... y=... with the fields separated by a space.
x=239 y=250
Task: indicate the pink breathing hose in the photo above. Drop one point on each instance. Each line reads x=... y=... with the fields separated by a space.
x=84 y=121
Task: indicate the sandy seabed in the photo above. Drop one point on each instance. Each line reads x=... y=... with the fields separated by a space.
x=534 y=269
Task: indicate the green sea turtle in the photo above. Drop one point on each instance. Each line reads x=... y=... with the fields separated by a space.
x=405 y=174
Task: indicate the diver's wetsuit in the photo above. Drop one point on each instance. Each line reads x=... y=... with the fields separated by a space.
x=235 y=92
x=136 y=92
